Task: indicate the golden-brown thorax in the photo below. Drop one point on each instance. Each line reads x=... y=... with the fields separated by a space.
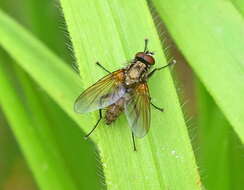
x=135 y=73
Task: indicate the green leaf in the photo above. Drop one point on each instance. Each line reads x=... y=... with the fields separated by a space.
x=214 y=157
x=210 y=35
x=8 y=151
x=239 y=4
x=164 y=158
x=41 y=151
x=46 y=26
x=44 y=114
x=221 y=161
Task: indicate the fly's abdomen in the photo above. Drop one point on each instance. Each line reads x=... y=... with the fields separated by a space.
x=114 y=110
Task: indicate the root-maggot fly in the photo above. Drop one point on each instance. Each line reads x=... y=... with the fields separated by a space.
x=123 y=90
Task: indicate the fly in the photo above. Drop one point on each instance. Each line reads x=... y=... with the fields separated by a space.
x=124 y=90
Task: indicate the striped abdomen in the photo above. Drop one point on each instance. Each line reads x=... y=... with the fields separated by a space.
x=114 y=110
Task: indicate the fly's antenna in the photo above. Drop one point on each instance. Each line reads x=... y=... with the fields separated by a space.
x=146 y=42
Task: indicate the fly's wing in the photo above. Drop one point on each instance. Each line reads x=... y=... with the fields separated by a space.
x=137 y=110
x=103 y=93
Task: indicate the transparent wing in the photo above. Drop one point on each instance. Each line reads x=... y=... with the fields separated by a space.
x=103 y=93
x=137 y=110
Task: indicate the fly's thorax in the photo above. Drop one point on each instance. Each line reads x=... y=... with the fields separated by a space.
x=135 y=73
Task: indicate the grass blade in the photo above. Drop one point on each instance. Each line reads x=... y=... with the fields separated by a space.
x=221 y=162
x=89 y=24
x=239 y=4
x=45 y=25
x=210 y=35
x=43 y=157
x=165 y=158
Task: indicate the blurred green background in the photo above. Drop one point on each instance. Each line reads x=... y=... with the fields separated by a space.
x=219 y=153
x=45 y=20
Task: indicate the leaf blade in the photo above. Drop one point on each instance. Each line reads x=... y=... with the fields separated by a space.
x=126 y=37
x=44 y=160
x=215 y=51
x=163 y=157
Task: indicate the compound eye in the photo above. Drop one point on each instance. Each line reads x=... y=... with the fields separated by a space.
x=145 y=58
x=140 y=55
x=149 y=59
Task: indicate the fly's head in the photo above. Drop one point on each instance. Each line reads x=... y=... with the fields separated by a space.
x=146 y=56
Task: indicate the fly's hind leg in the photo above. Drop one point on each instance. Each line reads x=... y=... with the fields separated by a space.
x=158 y=108
x=98 y=64
x=100 y=117
x=133 y=140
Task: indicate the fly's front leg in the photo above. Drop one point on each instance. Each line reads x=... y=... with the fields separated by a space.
x=98 y=64
x=151 y=73
x=158 y=69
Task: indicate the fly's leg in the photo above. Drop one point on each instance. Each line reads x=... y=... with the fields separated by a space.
x=158 y=108
x=133 y=139
x=100 y=117
x=158 y=69
x=98 y=64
